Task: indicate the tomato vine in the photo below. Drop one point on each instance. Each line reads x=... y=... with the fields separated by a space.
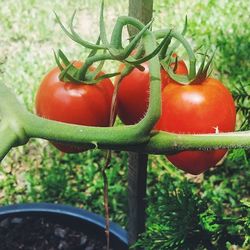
x=18 y=125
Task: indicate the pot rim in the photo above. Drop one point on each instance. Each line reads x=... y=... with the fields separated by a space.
x=64 y=210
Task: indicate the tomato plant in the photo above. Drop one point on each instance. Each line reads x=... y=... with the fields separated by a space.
x=133 y=93
x=201 y=107
x=74 y=103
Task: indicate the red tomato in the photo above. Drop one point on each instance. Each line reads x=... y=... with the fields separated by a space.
x=133 y=93
x=74 y=103
x=206 y=107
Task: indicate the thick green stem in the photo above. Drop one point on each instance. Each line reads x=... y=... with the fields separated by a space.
x=163 y=142
x=154 y=109
x=8 y=139
x=121 y=138
x=57 y=131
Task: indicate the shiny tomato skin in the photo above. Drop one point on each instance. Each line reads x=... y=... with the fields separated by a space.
x=133 y=93
x=74 y=103
x=207 y=107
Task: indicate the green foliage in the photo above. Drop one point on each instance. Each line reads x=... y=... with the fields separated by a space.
x=179 y=219
x=242 y=98
x=207 y=215
x=73 y=179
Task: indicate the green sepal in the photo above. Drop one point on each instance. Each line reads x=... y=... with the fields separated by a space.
x=176 y=43
x=67 y=75
x=138 y=53
x=94 y=51
x=153 y=53
x=201 y=68
x=63 y=57
x=128 y=68
x=208 y=65
x=204 y=70
x=131 y=46
x=175 y=64
x=94 y=73
x=103 y=33
x=75 y=37
x=100 y=78
x=68 y=70
x=182 y=79
x=58 y=61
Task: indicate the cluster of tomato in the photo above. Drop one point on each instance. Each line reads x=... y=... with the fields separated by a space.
x=196 y=108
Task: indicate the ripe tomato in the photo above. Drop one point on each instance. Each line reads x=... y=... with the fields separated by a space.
x=206 y=107
x=133 y=93
x=74 y=103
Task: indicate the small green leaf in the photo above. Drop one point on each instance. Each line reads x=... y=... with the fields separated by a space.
x=245 y=202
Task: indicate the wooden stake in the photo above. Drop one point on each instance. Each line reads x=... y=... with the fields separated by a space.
x=137 y=171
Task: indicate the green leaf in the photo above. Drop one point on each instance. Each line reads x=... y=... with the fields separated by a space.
x=246 y=202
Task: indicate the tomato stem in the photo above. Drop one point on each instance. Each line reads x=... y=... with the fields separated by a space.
x=8 y=139
x=89 y=61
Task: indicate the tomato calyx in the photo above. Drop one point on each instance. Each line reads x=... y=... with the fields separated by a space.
x=85 y=74
x=204 y=70
x=169 y=60
x=103 y=50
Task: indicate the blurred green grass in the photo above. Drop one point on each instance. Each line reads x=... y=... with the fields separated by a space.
x=37 y=172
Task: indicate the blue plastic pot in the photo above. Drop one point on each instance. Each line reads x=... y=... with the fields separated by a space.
x=75 y=218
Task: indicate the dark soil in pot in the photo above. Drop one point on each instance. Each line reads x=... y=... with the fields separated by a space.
x=34 y=233
x=56 y=227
